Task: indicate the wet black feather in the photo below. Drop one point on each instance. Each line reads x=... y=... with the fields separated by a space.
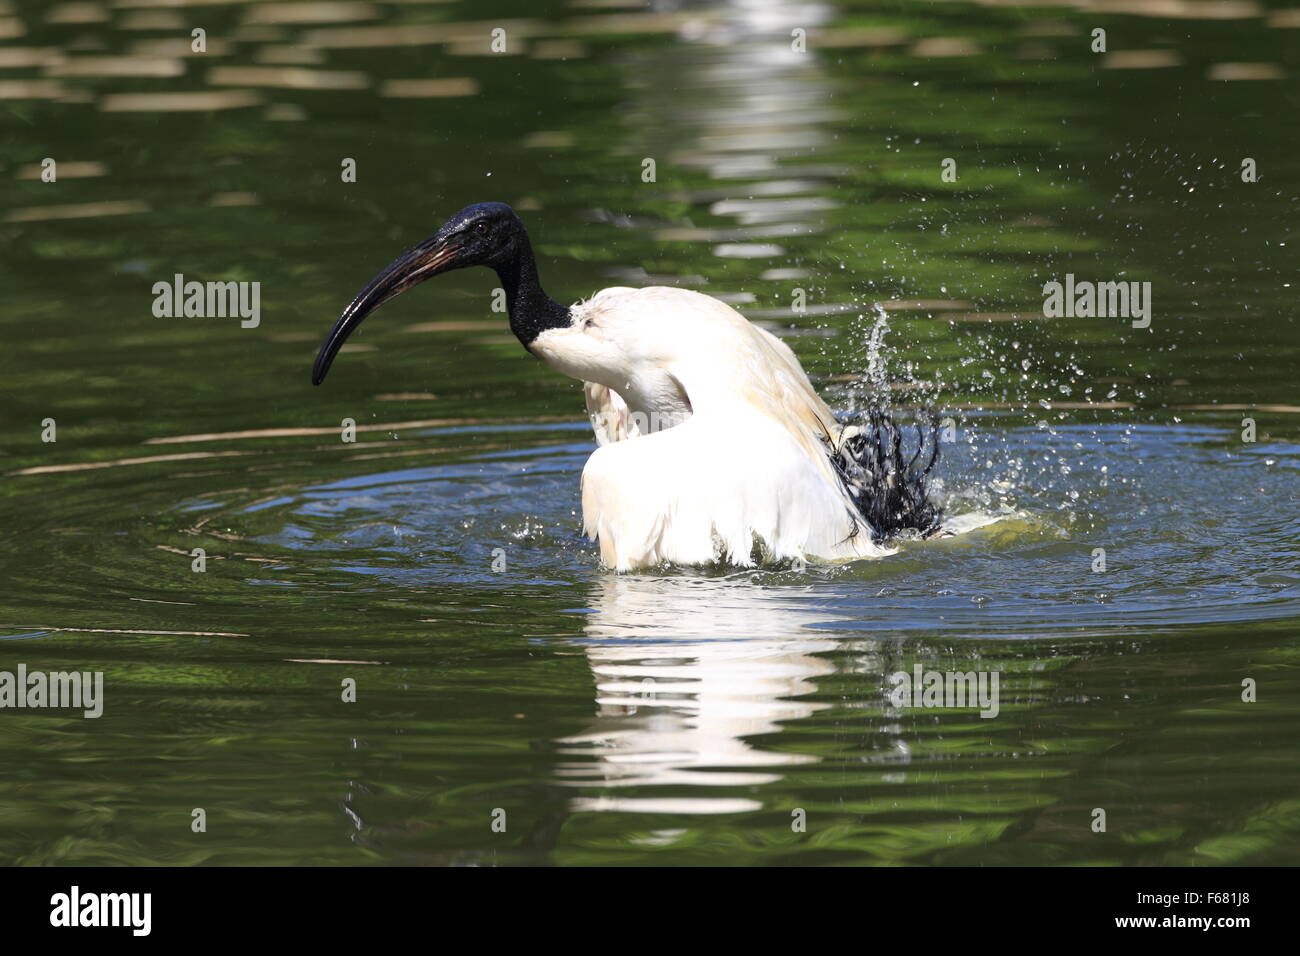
x=889 y=490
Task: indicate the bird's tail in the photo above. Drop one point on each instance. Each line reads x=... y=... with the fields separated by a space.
x=888 y=488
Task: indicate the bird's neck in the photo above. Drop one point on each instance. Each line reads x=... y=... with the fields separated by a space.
x=531 y=310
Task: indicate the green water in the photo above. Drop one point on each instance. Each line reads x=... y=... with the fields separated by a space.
x=686 y=716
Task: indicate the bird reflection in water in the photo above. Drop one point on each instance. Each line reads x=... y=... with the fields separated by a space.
x=687 y=671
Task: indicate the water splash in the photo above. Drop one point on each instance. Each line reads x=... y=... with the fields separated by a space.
x=877 y=374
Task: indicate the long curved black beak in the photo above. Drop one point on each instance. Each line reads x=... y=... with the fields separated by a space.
x=436 y=254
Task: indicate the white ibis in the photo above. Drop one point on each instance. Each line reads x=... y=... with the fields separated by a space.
x=713 y=445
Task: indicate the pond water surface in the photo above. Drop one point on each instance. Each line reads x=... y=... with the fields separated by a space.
x=688 y=716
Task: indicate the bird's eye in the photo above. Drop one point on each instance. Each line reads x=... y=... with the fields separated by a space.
x=481 y=228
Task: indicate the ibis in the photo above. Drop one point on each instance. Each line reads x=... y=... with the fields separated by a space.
x=712 y=444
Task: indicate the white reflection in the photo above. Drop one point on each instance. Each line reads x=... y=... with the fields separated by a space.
x=687 y=672
x=743 y=97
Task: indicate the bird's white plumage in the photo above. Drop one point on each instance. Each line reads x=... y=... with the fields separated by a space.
x=611 y=419
x=712 y=439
